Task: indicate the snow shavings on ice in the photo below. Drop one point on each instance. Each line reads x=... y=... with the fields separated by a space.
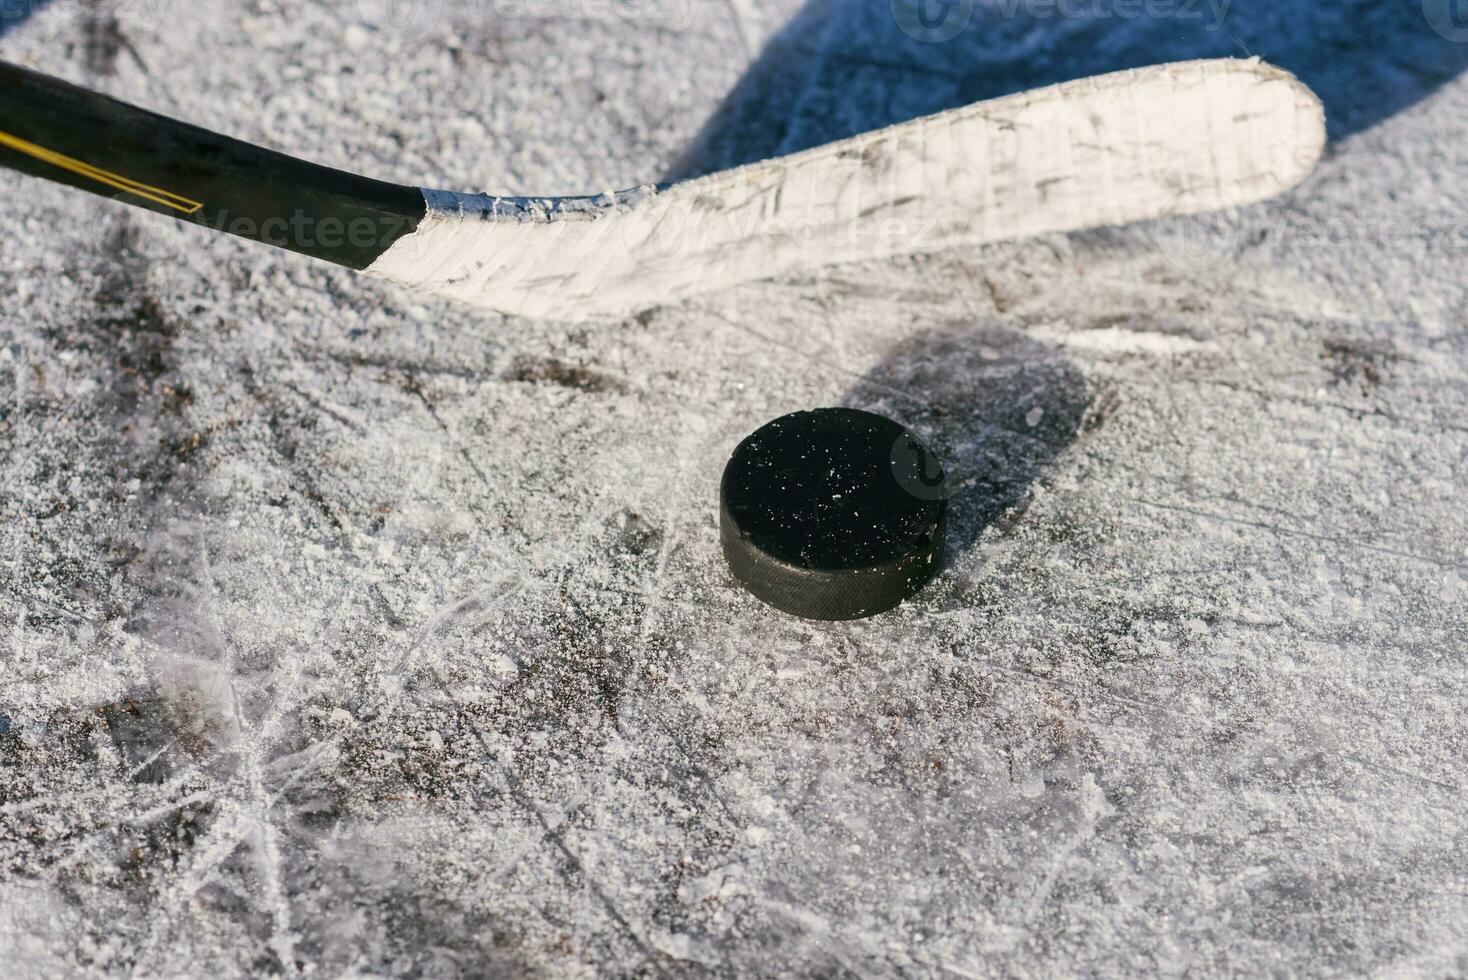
x=352 y=633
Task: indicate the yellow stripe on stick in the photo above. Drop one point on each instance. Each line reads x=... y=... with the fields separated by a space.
x=158 y=196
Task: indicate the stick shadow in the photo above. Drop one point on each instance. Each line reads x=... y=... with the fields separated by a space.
x=843 y=67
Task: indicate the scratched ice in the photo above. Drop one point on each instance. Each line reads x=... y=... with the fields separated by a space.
x=354 y=633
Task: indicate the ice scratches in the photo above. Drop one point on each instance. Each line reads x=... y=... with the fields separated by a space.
x=460 y=614
x=393 y=365
x=853 y=951
x=190 y=787
x=1268 y=397
x=225 y=791
x=201 y=679
x=743 y=13
x=1348 y=544
x=255 y=741
x=766 y=797
x=551 y=370
x=1367 y=363
x=573 y=872
x=353 y=425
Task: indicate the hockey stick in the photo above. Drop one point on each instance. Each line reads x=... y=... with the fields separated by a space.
x=1170 y=140
x=55 y=130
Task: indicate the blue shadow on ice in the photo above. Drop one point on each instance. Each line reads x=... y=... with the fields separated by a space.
x=13 y=13
x=997 y=406
x=843 y=67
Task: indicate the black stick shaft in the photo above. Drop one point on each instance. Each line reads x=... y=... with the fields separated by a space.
x=52 y=129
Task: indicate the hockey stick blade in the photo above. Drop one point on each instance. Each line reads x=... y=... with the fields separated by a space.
x=1168 y=140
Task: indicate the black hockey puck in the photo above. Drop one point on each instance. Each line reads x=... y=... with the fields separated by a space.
x=833 y=514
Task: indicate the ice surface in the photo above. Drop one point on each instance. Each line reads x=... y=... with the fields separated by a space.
x=358 y=634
